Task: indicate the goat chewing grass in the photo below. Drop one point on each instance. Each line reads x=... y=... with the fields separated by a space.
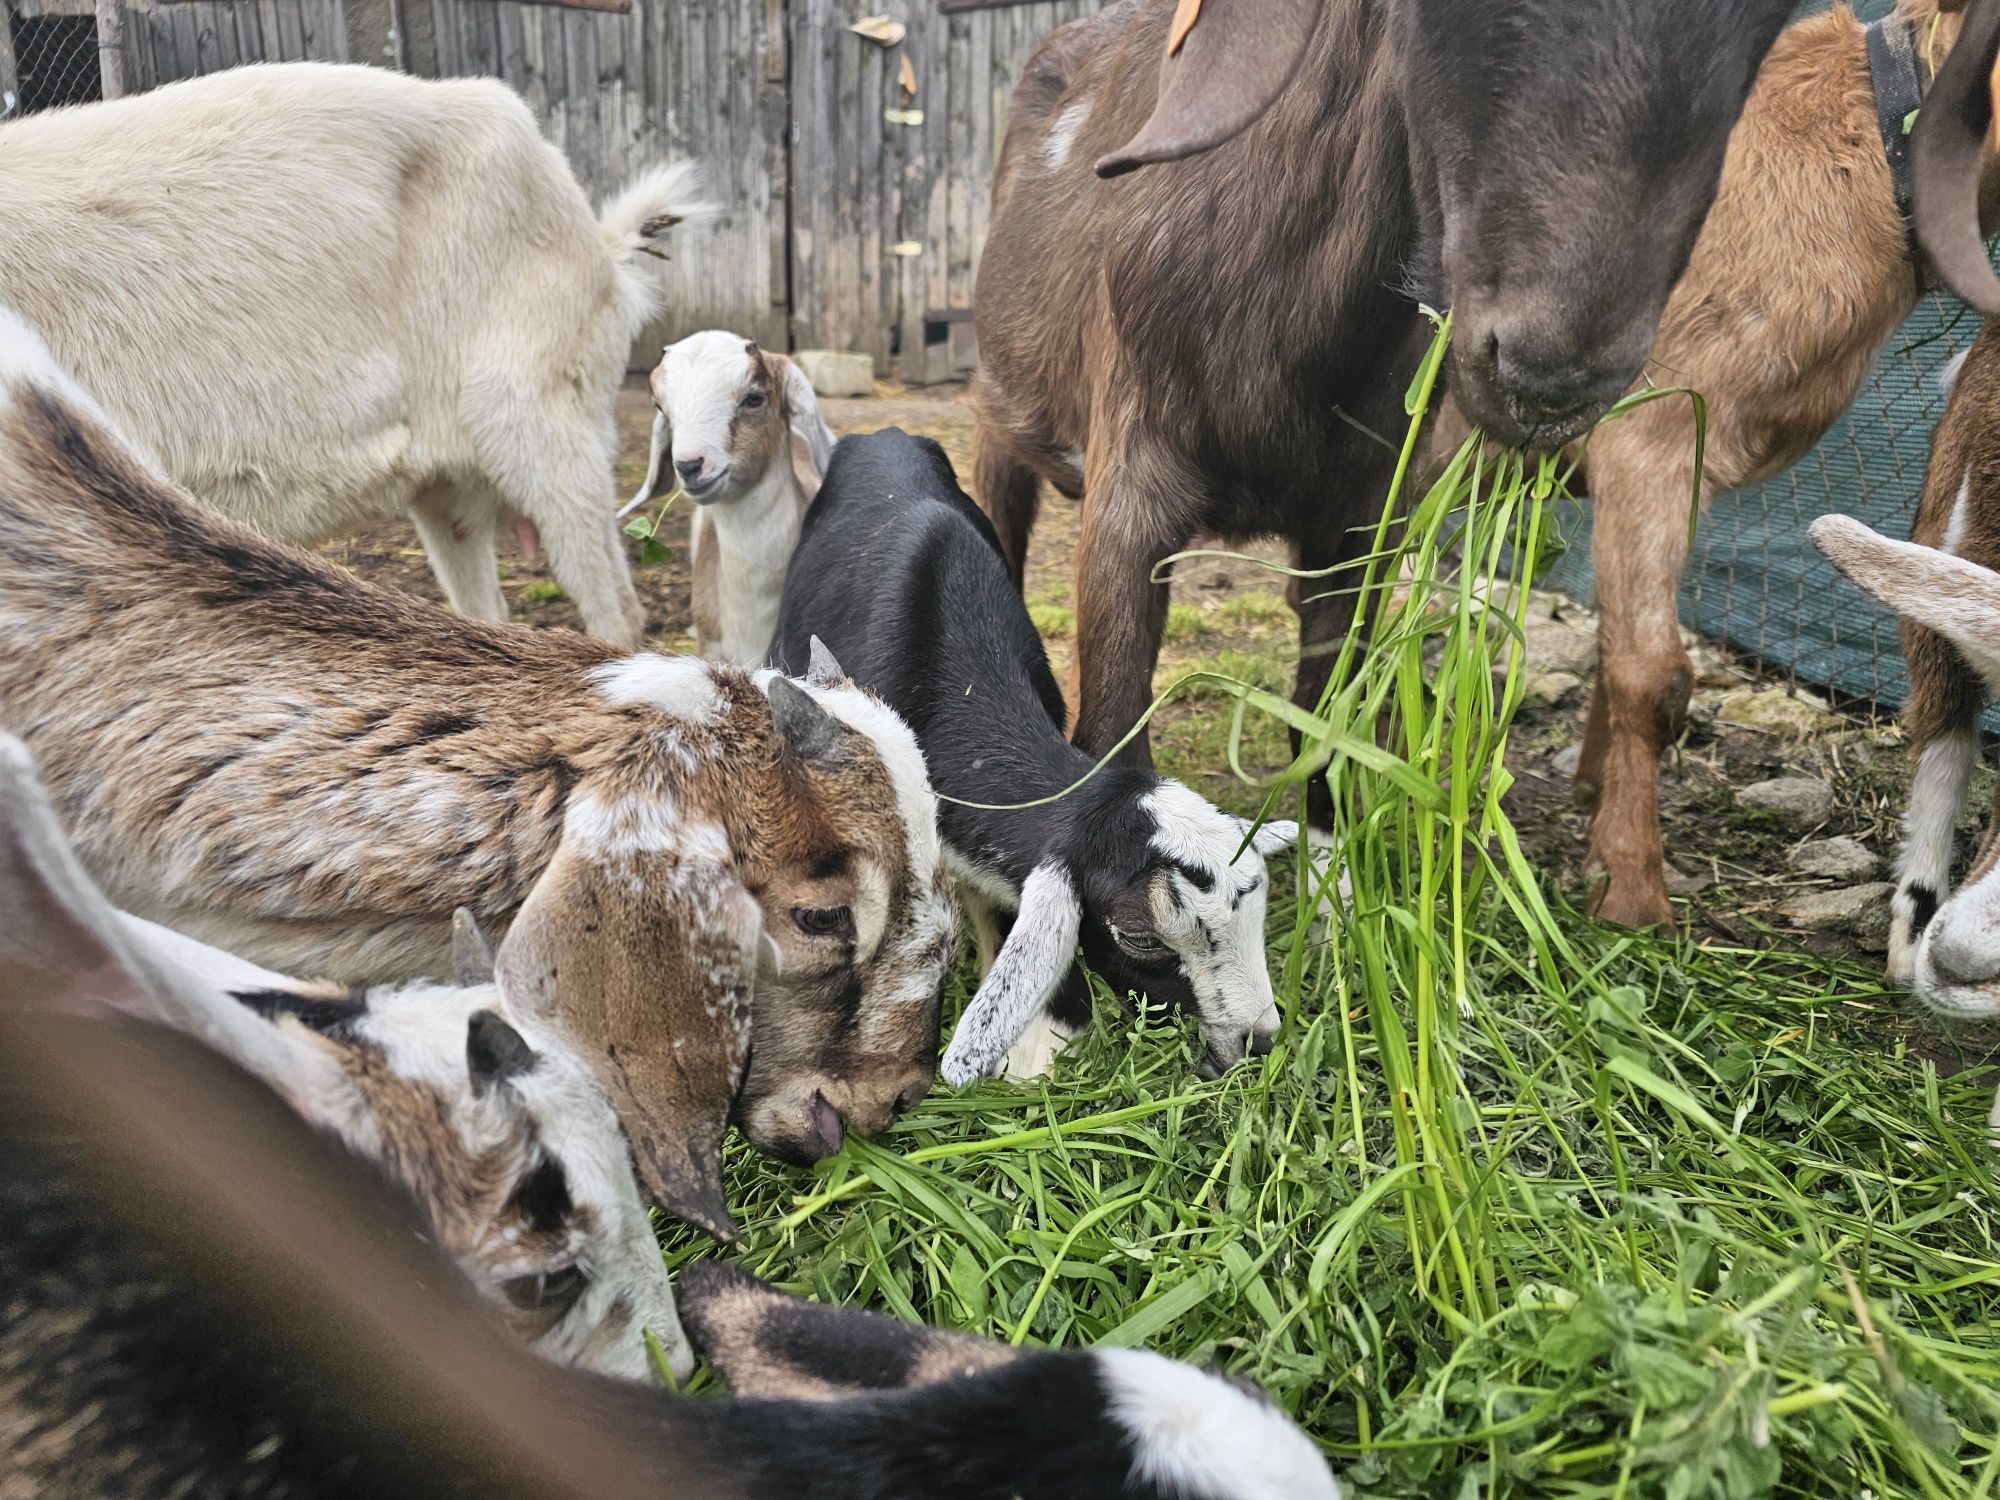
x=1518 y=1206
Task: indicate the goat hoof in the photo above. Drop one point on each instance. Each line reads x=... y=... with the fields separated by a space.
x=1633 y=902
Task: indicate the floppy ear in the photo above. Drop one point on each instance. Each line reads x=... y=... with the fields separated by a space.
x=660 y=477
x=1946 y=150
x=1025 y=975
x=644 y=961
x=1958 y=599
x=1272 y=838
x=802 y=415
x=771 y=1346
x=1230 y=68
x=84 y=955
x=821 y=669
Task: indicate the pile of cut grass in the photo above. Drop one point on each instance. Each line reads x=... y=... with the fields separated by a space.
x=1519 y=1206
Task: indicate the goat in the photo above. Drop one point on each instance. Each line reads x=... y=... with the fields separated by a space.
x=448 y=344
x=314 y=773
x=1945 y=584
x=504 y=1143
x=739 y=432
x=172 y=1350
x=1803 y=269
x=1220 y=345
x=1166 y=892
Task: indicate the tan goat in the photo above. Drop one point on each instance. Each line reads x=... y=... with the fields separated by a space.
x=251 y=746
x=739 y=431
x=504 y=1143
x=1802 y=271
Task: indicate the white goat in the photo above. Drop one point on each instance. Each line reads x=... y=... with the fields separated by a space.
x=508 y=1149
x=739 y=430
x=318 y=295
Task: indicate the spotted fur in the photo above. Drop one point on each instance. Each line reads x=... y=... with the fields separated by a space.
x=253 y=747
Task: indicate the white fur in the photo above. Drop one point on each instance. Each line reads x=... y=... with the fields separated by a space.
x=1954 y=530
x=421 y=1033
x=1061 y=139
x=1937 y=792
x=1197 y=1435
x=699 y=389
x=1218 y=934
x=317 y=295
x=1023 y=979
x=682 y=686
x=1948 y=376
x=1035 y=1051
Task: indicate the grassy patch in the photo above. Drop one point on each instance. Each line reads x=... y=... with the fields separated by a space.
x=540 y=591
x=1519 y=1206
x=1053 y=622
x=1255 y=608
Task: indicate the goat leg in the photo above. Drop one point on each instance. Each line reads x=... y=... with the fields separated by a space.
x=1942 y=714
x=1644 y=678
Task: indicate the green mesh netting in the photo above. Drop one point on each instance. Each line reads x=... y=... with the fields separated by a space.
x=1755 y=583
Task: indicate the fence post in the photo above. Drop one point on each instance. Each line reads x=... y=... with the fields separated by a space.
x=111 y=47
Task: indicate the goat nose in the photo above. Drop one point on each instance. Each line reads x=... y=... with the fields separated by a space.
x=690 y=468
x=1959 y=953
x=1551 y=377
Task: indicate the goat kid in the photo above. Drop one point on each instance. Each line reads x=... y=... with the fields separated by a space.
x=739 y=432
x=315 y=773
x=448 y=345
x=1165 y=892
x=1215 y=344
x=497 y=1132
x=181 y=1334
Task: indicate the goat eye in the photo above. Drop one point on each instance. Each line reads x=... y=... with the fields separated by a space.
x=1143 y=944
x=824 y=921
x=754 y=401
x=548 y=1291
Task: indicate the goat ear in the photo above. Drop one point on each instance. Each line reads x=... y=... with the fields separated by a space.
x=769 y=1346
x=1958 y=599
x=1225 y=73
x=802 y=410
x=471 y=952
x=1947 y=150
x=1030 y=966
x=495 y=1051
x=644 y=961
x=1272 y=838
x=821 y=669
x=808 y=730
x=660 y=478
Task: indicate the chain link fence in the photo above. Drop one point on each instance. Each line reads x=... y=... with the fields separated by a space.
x=1755 y=583
x=49 y=55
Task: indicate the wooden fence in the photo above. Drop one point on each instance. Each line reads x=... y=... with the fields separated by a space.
x=854 y=175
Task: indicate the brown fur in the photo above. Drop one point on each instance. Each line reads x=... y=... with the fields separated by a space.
x=1801 y=273
x=252 y=746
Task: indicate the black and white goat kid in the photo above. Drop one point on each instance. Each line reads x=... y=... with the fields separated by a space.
x=1165 y=892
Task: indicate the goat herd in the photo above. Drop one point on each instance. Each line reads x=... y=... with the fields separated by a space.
x=256 y=816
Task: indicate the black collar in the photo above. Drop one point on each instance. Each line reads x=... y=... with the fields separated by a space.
x=1899 y=93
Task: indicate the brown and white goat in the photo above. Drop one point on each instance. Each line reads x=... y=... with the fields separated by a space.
x=739 y=431
x=316 y=773
x=1219 y=343
x=1945 y=584
x=506 y=1146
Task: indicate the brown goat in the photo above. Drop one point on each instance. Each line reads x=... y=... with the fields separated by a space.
x=1215 y=344
x=1803 y=270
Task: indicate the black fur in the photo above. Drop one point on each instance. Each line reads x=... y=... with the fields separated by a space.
x=1923 y=906
x=941 y=636
x=328 y=1016
x=494 y=1050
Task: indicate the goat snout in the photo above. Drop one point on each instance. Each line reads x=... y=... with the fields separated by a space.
x=1961 y=953
x=698 y=473
x=1551 y=380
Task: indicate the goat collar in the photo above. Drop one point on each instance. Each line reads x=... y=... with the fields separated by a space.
x=1897 y=78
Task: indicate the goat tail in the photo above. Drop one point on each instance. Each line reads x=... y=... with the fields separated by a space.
x=637 y=222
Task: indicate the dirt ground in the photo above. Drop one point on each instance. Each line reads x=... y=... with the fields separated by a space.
x=1737 y=865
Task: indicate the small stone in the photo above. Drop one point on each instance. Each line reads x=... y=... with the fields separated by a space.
x=1549 y=689
x=1679 y=884
x=1802 y=800
x=1855 y=907
x=1775 y=711
x=1559 y=643
x=835 y=374
x=1835 y=859
x=1567 y=760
